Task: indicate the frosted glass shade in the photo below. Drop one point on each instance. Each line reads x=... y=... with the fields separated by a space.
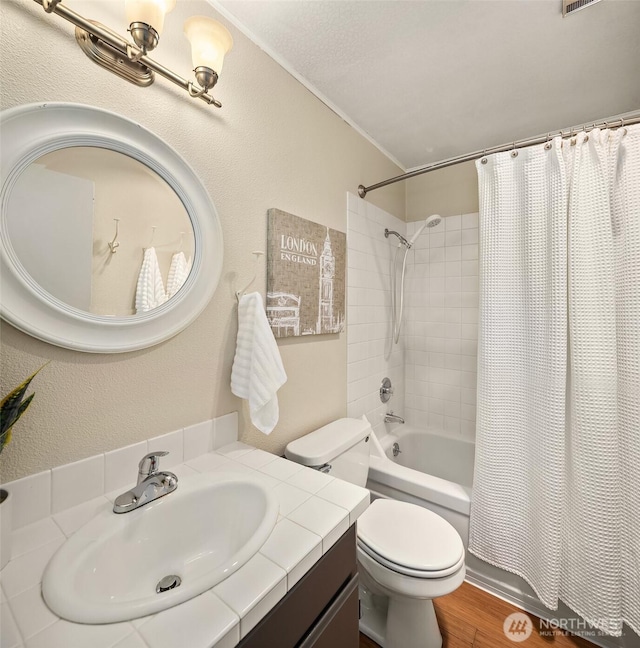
x=150 y=12
x=210 y=41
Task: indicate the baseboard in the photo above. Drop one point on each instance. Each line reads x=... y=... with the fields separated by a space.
x=535 y=607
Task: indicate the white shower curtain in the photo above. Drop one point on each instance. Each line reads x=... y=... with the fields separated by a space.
x=557 y=482
x=521 y=366
x=626 y=236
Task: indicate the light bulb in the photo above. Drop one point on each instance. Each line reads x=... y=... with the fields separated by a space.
x=210 y=41
x=148 y=12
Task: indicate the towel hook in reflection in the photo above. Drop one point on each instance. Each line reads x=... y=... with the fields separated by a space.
x=114 y=244
x=153 y=234
x=240 y=293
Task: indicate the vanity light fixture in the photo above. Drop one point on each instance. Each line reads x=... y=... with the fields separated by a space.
x=210 y=41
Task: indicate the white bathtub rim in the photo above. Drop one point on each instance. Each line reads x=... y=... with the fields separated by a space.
x=427 y=487
x=387 y=439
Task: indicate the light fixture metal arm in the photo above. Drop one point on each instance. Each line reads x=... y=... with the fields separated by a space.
x=121 y=44
x=50 y=5
x=194 y=91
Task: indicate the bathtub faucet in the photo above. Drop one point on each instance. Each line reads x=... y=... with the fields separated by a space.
x=390 y=417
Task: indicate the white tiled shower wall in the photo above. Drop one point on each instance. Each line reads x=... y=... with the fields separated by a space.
x=370 y=353
x=441 y=326
x=433 y=368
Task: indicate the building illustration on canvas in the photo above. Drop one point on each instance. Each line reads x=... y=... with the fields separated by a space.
x=305 y=276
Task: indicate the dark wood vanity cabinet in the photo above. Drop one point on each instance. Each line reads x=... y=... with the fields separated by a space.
x=321 y=611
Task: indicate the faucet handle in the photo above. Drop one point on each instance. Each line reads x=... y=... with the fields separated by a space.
x=149 y=464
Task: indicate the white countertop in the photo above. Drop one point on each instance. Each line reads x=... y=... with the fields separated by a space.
x=315 y=510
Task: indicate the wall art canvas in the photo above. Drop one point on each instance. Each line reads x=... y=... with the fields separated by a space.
x=305 y=276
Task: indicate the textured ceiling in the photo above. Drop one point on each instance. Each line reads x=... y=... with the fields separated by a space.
x=430 y=79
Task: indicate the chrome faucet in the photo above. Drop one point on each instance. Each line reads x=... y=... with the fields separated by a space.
x=152 y=484
x=390 y=417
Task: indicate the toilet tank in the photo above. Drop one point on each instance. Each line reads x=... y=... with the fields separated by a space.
x=340 y=448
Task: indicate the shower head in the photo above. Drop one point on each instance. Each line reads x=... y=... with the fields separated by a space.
x=432 y=221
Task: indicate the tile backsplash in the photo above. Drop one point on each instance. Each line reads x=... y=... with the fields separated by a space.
x=38 y=496
x=433 y=368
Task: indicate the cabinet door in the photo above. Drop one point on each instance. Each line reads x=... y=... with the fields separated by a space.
x=288 y=624
x=338 y=626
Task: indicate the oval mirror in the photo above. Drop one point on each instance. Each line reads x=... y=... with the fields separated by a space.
x=83 y=234
x=109 y=242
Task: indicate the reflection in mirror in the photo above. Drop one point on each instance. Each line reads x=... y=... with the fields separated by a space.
x=61 y=217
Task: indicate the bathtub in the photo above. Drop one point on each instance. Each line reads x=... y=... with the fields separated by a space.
x=430 y=470
x=436 y=472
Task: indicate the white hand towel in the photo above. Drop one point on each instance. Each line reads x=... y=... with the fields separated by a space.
x=257 y=372
x=178 y=273
x=150 y=289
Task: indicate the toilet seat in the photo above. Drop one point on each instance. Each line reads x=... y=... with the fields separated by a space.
x=407 y=571
x=410 y=539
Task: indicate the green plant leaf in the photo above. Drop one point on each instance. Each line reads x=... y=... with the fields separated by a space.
x=12 y=406
x=4 y=439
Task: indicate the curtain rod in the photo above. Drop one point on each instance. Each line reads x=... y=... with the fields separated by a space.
x=615 y=122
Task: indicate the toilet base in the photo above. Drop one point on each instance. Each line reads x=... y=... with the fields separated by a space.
x=412 y=623
x=373 y=614
x=399 y=623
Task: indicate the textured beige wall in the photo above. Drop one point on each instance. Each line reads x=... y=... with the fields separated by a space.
x=272 y=145
x=447 y=192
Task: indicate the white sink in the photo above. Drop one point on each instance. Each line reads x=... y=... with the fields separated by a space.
x=202 y=532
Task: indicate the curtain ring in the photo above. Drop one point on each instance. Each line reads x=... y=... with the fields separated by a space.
x=622 y=126
x=514 y=153
x=547 y=145
x=572 y=138
x=484 y=159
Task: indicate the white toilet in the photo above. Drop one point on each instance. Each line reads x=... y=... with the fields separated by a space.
x=405 y=552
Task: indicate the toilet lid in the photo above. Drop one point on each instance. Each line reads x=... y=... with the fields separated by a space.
x=410 y=536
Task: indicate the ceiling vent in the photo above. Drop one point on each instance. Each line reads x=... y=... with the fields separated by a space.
x=571 y=6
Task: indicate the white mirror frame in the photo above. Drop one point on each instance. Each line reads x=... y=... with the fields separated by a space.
x=31 y=131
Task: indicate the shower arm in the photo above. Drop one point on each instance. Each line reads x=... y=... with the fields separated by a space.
x=403 y=240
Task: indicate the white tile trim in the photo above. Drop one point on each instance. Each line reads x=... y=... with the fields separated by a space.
x=106 y=472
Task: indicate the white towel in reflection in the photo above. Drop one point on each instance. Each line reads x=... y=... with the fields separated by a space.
x=178 y=273
x=257 y=372
x=150 y=291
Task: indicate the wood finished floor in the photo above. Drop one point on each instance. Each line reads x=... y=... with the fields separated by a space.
x=472 y=618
